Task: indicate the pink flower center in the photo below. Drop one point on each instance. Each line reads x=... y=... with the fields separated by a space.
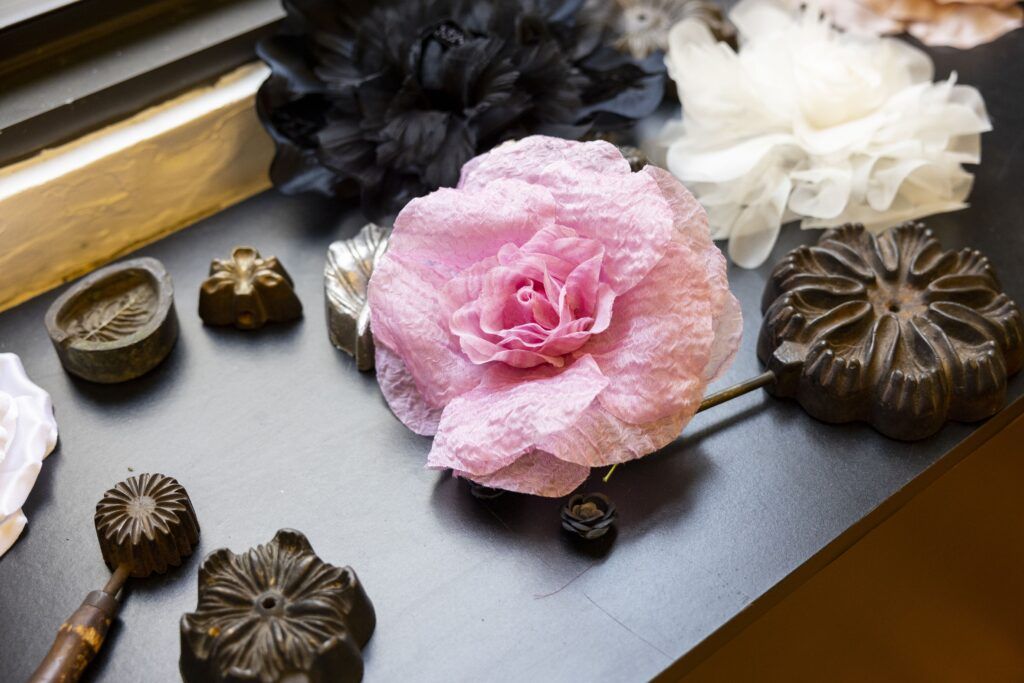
x=537 y=303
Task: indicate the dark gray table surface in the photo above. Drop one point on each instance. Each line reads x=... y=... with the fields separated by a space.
x=276 y=429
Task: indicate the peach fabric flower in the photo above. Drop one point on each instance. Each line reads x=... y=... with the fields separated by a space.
x=554 y=312
x=954 y=23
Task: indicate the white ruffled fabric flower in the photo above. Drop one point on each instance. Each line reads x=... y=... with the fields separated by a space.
x=810 y=123
x=28 y=433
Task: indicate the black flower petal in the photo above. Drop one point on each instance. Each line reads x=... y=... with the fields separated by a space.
x=388 y=99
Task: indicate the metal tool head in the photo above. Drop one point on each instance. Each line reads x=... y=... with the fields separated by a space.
x=148 y=523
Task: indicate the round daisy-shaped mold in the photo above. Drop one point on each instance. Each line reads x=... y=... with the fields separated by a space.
x=148 y=523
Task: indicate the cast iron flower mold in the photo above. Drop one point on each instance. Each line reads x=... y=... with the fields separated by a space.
x=350 y=263
x=248 y=291
x=148 y=523
x=891 y=330
x=276 y=612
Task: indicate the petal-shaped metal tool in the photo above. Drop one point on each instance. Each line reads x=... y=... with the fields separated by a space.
x=350 y=264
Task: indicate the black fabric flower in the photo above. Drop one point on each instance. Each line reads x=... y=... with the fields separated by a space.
x=388 y=98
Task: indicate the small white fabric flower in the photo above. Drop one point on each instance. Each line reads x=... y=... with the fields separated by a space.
x=643 y=25
x=810 y=123
x=28 y=433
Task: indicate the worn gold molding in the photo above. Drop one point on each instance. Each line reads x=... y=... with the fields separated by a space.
x=70 y=209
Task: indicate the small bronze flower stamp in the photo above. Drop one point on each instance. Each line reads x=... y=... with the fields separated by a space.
x=275 y=613
x=891 y=330
x=248 y=291
x=589 y=516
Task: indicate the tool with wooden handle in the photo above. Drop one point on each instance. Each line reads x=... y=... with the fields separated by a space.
x=145 y=525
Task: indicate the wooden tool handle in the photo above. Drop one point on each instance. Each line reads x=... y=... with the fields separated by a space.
x=78 y=640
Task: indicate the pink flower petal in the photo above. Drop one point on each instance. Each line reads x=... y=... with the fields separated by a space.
x=454 y=229
x=598 y=438
x=505 y=417
x=402 y=394
x=658 y=345
x=409 y=314
x=965 y=27
x=691 y=224
x=537 y=473
x=527 y=158
x=596 y=195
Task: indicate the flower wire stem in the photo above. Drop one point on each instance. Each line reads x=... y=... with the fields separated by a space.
x=720 y=397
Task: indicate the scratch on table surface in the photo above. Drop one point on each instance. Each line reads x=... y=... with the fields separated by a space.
x=1005 y=169
x=634 y=633
x=548 y=595
x=497 y=517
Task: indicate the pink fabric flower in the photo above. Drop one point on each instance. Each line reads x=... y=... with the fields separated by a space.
x=554 y=312
x=955 y=23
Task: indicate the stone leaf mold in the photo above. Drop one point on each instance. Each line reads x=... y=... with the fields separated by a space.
x=116 y=324
x=248 y=291
x=276 y=612
x=28 y=433
x=350 y=264
x=891 y=330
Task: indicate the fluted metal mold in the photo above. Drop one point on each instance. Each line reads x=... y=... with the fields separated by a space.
x=891 y=330
x=147 y=522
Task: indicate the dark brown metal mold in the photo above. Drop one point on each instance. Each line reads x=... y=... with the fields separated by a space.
x=273 y=613
x=115 y=324
x=145 y=525
x=148 y=523
x=891 y=330
x=248 y=291
x=350 y=263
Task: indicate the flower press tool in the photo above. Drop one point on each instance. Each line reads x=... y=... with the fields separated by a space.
x=145 y=525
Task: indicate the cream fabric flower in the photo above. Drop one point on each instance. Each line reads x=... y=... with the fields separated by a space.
x=28 y=433
x=807 y=122
x=954 y=23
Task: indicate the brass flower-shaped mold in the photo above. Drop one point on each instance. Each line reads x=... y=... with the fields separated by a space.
x=148 y=523
x=891 y=330
x=275 y=612
x=248 y=291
